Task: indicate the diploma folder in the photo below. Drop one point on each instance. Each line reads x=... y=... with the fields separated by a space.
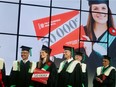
x=40 y=75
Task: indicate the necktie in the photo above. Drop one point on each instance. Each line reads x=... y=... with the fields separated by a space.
x=65 y=66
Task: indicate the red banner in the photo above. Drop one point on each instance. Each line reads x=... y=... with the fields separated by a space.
x=40 y=76
x=71 y=39
x=42 y=25
x=65 y=30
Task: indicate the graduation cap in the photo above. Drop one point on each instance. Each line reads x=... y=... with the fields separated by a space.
x=107 y=57
x=80 y=54
x=46 y=49
x=90 y=2
x=69 y=48
x=26 y=48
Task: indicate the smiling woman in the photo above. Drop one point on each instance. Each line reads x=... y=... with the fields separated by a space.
x=48 y=66
x=102 y=13
x=99 y=40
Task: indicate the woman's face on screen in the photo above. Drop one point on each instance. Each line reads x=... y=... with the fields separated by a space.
x=100 y=17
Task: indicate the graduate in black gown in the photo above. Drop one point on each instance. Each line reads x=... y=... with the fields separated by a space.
x=80 y=58
x=47 y=65
x=2 y=73
x=22 y=70
x=105 y=75
x=69 y=72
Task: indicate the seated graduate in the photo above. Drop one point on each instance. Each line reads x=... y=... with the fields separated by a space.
x=2 y=73
x=105 y=75
x=47 y=69
x=22 y=70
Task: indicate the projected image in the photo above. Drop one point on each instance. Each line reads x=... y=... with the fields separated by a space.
x=100 y=27
x=112 y=6
x=8 y=50
x=10 y=0
x=74 y=4
x=30 y=20
x=62 y=29
x=37 y=2
x=87 y=25
x=8 y=18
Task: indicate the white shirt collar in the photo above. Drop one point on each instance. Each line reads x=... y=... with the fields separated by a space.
x=69 y=60
x=106 y=66
x=79 y=61
x=24 y=61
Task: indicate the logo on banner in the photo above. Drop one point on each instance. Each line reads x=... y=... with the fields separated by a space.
x=112 y=31
x=64 y=30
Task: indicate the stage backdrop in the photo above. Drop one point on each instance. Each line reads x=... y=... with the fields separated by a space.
x=53 y=23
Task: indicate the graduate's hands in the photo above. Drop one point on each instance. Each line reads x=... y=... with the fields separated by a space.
x=45 y=82
x=87 y=45
x=99 y=80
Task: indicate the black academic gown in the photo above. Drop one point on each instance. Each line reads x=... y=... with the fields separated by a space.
x=52 y=80
x=84 y=76
x=108 y=82
x=3 y=82
x=21 y=78
x=73 y=79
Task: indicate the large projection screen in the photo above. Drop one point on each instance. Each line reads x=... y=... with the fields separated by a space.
x=53 y=23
